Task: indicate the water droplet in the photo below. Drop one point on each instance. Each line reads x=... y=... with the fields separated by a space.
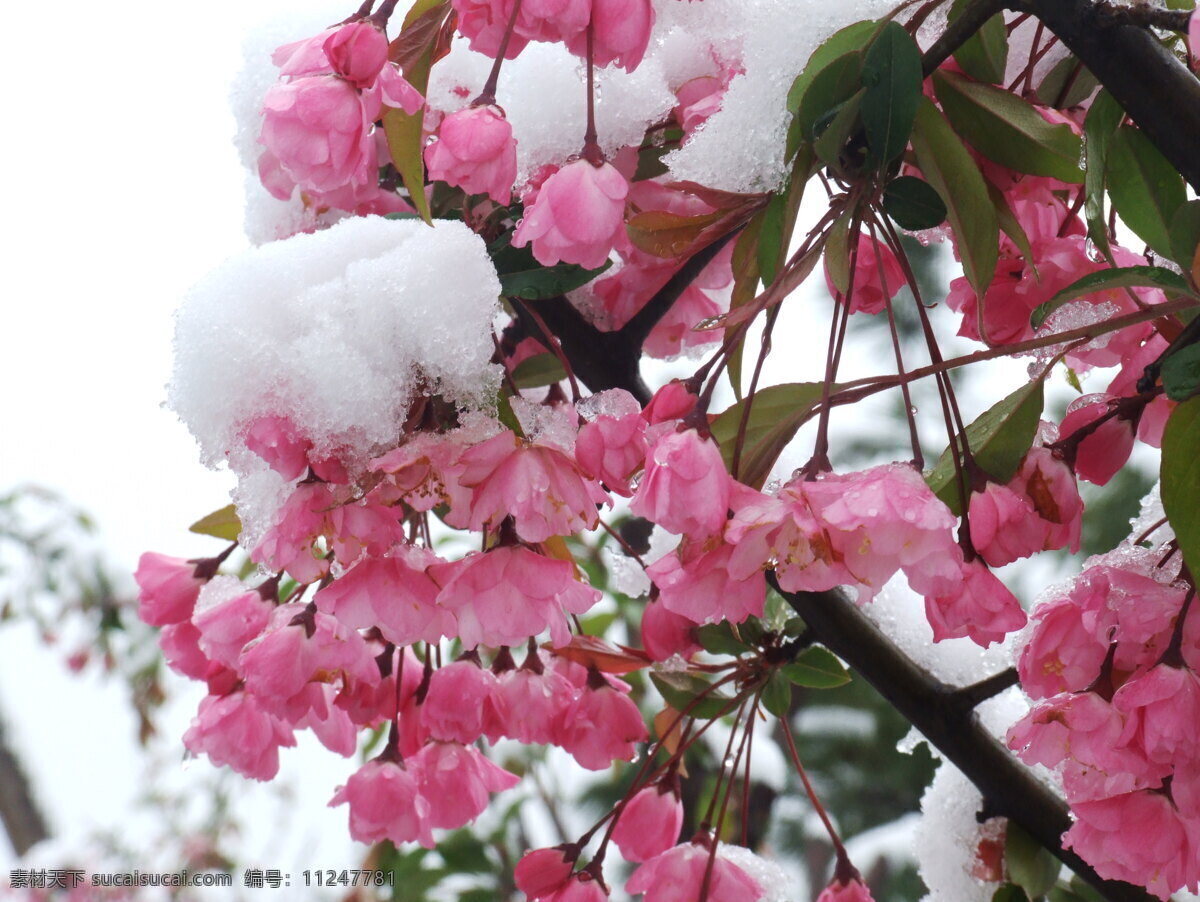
x=712 y=322
x=912 y=409
x=1093 y=254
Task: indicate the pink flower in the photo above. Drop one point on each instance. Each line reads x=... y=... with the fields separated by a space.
x=698 y=584
x=1004 y=527
x=612 y=449
x=236 y=730
x=453 y=708
x=455 y=780
x=870 y=293
x=677 y=875
x=853 y=891
x=510 y=593
x=649 y=823
x=483 y=23
x=542 y=872
x=168 y=588
x=357 y=51
x=527 y=704
x=228 y=615
x=673 y=401
x=1105 y=449
x=577 y=217
x=279 y=443
x=1050 y=486
x=539 y=486
x=620 y=33
x=180 y=644
x=601 y=726
x=582 y=887
x=386 y=803
x=393 y=593
x=884 y=519
x=981 y=608
x=475 y=151
x=319 y=131
x=1066 y=647
x=1137 y=837
x=1163 y=708
x=665 y=633
x=686 y=488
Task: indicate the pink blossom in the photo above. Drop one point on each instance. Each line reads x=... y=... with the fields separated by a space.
x=236 y=730
x=1137 y=837
x=1066 y=647
x=673 y=401
x=424 y=473
x=1050 y=486
x=601 y=726
x=288 y=545
x=510 y=593
x=475 y=151
x=677 y=875
x=981 y=608
x=612 y=449
x=871 y=295
x=540 y=487
x=1163 y=708
x=393 y=593
x=453 y=708
x=884 y=519
x=582 y=887
x=577 y=217
x=358 y=52
x=303 y=645
x=277 y=441
x=527 y=704
x=698 y=584
x=698 y=99
x=455 y=780
x=1106 y=448
x=386 y=803
x=329 y=723
x=650 y=822
x=167 y=588
x=180 y=644
x=483 y=23
x=542 y=872
x=620 y=32
x=228 y=623
x=853 y=891
x=686 y=488
x=665 y=633
x=1194 y=35
x=1004 y=527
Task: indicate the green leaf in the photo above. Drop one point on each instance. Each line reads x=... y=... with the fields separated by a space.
x=1103 y=118
x=776 y=413
x=777 y=694
x=984 y=55
x=1010 y=892
x=1185 y=233
x=949 y=168
x=851 y=38
x=504 y=413
x=831 y=87
x=543 y=282
x=998 y=440
x=1008 y=130
x=1146 y=189
x=1180 y=474
x=832 y=138
x=745 y=287
x=1067 y=84
x=719 y=639
x=913 y=204
x=837 y=252
x=1030 y=865
x=221 y=524
x=681 y=689
x=1181 y=373
x=771 y=240
x=1106 y=280
x=816 y=668
x=539 y=370
x=891 y=75
x=1011 y=226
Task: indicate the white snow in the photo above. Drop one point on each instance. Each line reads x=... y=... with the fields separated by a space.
x=336 y=330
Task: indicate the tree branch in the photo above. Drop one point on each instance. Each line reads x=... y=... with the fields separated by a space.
x=20 y=814
x=1151 y=84
x=1009 y=789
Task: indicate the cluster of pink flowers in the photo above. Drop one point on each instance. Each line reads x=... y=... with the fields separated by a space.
x=1113 y=658
x=319 y=121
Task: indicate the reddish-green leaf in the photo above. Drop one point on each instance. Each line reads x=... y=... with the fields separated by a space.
x=775 y=415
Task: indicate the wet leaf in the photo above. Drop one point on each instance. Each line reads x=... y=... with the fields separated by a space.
x=816 y=668
x=1180 y=474
x=220 y=524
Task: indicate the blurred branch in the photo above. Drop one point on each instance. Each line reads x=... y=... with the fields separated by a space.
x=22 y=819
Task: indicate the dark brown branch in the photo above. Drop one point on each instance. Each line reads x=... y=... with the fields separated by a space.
x=1151 y=84
x=958 y=32
x=19 y=812
x=938 y=711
